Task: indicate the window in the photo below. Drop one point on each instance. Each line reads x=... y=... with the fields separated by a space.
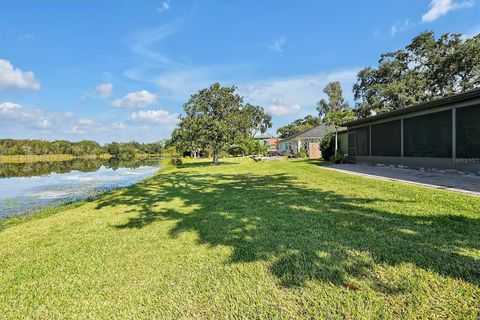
x=387 y=139
x=429 y=135
x=363 y=141
x=468 y=132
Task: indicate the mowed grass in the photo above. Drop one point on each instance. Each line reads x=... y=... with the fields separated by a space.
x=279 y=239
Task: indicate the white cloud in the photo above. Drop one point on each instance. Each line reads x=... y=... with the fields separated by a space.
x=118 y=125
x=277 y=45
x=76 y=129
x=17 y=121
x=441 y=7
x=177 y=81
x=104 y=90
x=141 y=43
x=281 y=110
x=82 y=98
x=9 y=108
x=302 y=90
x=13 y=115
x=86 y=122
x=44 y=122
x=400 y=27
x=164 y=6
x=26 y=36
x=22 y=122
x=14 y=78
x=155 y=117
x=138 y=99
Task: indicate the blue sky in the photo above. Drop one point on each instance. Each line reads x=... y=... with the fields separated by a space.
x=121 y=70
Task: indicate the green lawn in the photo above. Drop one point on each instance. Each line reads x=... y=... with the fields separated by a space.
x=249 y=240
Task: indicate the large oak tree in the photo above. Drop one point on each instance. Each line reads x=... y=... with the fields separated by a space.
x=216 y=118
x=427 y=69
x=298 y=125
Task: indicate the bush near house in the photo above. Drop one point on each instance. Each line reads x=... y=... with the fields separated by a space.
x=327 y=146
x=302 y=153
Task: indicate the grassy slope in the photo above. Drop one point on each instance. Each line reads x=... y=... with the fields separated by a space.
x=276 y=239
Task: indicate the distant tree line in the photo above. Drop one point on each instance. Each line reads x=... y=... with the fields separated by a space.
x=31 y=169
x=84 y=148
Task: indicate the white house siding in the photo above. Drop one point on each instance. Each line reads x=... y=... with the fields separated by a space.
x=290 y=146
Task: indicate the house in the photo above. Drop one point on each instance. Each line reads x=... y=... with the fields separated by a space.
x=269 y=141
x=308 y=139
x=444 y=133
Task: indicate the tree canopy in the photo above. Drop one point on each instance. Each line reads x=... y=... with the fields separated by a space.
x=335 y=111
x=426 y=69
x=298 y=125
x=216 y=118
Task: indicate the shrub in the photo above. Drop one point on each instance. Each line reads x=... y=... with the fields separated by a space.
x=302 y=153
x=223 y=154
x=235 y=150
x=286 y=154
x=327 y=146
x=338 y=158
x=176 y=161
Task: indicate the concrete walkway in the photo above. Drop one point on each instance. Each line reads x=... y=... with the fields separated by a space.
x=440 y=179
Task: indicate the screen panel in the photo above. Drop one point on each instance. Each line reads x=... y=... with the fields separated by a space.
x=428 y=135
x=363 y=141
x=387 y=139
x=468 y=132
x=351 y=142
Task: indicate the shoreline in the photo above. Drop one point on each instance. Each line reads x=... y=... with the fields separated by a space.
x=47 y=211
x=47 y=158
x=17 y=159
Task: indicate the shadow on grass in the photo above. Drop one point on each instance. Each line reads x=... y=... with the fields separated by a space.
x=205 y=164
x=305 y=234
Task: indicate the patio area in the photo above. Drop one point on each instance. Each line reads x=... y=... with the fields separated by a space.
x=452 y=180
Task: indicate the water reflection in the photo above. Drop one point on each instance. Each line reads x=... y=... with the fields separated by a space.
x=8 y=170
x=29 y=186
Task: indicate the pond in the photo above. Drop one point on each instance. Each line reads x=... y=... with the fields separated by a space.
x=27 y=187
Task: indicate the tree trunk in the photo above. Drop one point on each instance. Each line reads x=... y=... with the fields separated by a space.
x=215 y=155
x=336 y=141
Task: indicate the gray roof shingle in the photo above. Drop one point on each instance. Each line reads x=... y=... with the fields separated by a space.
x=316 y=132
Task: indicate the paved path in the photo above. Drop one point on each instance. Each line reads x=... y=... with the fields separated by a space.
x=439 y=179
